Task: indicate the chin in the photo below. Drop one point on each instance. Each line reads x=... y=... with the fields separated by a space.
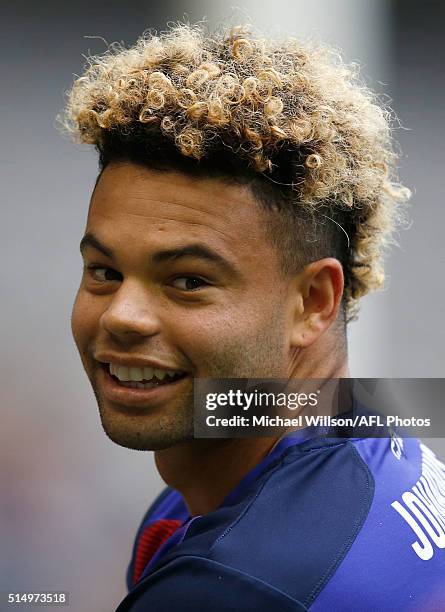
x=140 y=444
x=134 y=442
x=146 y=432
x=138 y=439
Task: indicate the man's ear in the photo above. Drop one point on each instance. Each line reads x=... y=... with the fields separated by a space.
x=320 y=290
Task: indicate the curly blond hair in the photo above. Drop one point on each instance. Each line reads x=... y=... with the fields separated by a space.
x=293 y=115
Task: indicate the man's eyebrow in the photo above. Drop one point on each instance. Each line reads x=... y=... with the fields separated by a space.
x=91 y=241
x=196 y=250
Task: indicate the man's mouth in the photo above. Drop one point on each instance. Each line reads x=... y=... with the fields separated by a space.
x=136 y=377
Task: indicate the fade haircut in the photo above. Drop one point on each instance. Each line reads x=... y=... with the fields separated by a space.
x=292 y=121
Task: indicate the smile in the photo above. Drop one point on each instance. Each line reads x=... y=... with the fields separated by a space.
x=141 y=387
x=143 y=378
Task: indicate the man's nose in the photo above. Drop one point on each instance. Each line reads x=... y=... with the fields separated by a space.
x=132 y=312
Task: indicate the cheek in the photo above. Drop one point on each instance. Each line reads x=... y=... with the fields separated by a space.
x=195 y=333
x=217 y=334
x=83 y=320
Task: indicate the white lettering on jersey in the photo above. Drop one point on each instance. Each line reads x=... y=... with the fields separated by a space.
x=396 y=445
x=423 y=508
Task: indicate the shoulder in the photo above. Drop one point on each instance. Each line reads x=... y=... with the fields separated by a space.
x=302 y=520
x=191 y=583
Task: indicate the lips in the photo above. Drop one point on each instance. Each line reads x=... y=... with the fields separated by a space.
x=137 y=393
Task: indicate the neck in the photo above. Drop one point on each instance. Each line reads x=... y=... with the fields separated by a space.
x=205 y=471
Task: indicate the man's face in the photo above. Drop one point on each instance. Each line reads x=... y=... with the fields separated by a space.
x=179 y=276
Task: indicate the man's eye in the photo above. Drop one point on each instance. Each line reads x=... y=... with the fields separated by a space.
x=189 y=283
x=103 y=275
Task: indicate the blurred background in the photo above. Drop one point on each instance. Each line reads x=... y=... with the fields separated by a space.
x=70 y=499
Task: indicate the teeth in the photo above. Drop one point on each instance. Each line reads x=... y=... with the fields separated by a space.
x=135 y=374
x=148 y=373
x=122 y=373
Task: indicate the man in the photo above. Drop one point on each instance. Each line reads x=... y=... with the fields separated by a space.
x=245 y=197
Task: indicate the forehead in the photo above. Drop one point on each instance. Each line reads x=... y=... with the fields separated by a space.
x=132 y=204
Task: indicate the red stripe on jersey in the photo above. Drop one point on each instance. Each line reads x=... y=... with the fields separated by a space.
x=151 y=539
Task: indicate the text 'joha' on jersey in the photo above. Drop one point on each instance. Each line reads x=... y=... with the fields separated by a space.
x=423 y=507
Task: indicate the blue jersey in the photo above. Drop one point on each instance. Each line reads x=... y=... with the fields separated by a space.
x=320 y=524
